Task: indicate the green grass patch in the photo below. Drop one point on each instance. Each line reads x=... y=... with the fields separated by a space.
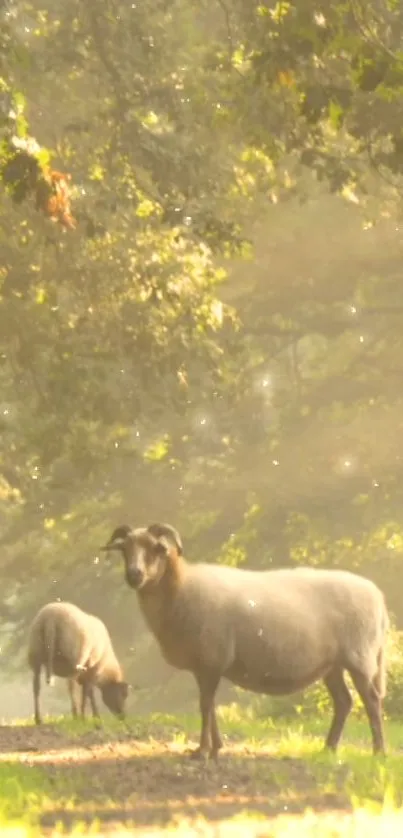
x=24 y=791
x=282 y=764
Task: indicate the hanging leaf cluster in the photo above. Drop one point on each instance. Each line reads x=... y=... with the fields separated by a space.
x=25 y=175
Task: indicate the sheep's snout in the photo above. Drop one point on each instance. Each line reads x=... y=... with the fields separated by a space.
x=114 y=695
x=135 y=577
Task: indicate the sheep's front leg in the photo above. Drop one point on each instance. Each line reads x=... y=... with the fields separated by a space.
x=209 y=737
x=94 y=708
x=85 y=692
x=36 y=684
x=72 y=685
x=216 y=741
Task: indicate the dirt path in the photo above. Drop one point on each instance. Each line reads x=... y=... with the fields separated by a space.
x=121 y=779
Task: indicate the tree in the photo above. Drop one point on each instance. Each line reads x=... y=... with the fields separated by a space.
x=137 y=383
x=112 y=336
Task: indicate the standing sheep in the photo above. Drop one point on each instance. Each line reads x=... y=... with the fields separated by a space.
x=72 y=644
x=273 y=632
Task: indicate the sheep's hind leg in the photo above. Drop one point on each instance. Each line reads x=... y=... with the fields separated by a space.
x=36 y=684
x=342 y=704
x=372 y=702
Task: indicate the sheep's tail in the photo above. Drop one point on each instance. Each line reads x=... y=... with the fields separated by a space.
x=380 y=679
x=50 y=640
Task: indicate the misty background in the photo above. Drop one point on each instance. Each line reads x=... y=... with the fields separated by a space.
x=218 y=343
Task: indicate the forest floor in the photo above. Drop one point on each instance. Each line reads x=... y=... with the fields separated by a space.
x=271 y=779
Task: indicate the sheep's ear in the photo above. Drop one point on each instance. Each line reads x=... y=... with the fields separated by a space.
x=162 y=546
x=116 y=544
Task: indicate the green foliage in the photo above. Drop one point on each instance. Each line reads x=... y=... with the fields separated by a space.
x=394 y=697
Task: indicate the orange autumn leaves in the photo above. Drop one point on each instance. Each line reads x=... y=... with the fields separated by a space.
x=25 y=173
x=53 y=197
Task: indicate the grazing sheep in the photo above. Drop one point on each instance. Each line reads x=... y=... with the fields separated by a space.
x=273 y=632
x=72 y=644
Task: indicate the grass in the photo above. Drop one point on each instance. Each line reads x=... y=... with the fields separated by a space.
x=23 y=792
x=273 y=779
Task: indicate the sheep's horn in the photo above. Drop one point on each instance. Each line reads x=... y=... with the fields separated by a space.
x=118 y=538
x=168 y=532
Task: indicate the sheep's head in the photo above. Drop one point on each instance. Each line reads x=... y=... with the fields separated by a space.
x=114 y=695
x=146 y=552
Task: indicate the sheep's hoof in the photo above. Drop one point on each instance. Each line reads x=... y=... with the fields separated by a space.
x=197 y=754
x=38 y=720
